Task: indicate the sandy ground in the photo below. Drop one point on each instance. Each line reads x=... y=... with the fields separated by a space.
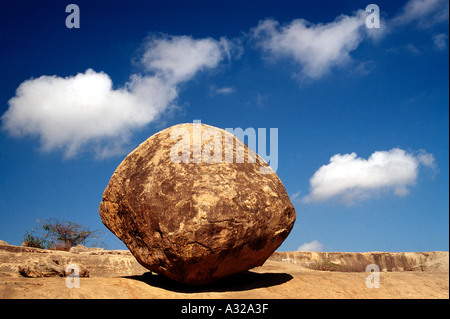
x=273 y=280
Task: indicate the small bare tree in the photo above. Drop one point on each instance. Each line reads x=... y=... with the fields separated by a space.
x=60 y=235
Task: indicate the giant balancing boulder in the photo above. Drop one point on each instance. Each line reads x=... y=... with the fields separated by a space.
x=190 y=207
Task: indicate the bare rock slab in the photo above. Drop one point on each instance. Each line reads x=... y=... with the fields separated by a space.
x=190 y=207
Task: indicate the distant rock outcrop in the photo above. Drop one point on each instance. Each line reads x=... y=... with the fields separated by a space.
x=197 y=217
x=357 y=262
x=35 y=262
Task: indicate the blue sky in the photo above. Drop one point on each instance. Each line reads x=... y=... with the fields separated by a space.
x=362 y=114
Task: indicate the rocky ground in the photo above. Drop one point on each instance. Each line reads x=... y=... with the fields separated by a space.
x=116 y=274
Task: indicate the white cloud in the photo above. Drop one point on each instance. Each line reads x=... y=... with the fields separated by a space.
x=315 y=47
x=348 y=178
x=411 y=48
x=295 y=196
x=311 y=246
x=318 y=48
x=69 y=113
x=222 y=90
x=425 y=13
x=440 y=41
x=426 y=159
x=178 y=58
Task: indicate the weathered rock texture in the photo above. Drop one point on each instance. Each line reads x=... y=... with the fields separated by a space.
x=199 y=219
x=41 y=268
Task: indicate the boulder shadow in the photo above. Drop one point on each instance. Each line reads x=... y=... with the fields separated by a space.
x=240 y=282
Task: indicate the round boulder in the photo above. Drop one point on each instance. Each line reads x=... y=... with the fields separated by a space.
x=196 y=204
